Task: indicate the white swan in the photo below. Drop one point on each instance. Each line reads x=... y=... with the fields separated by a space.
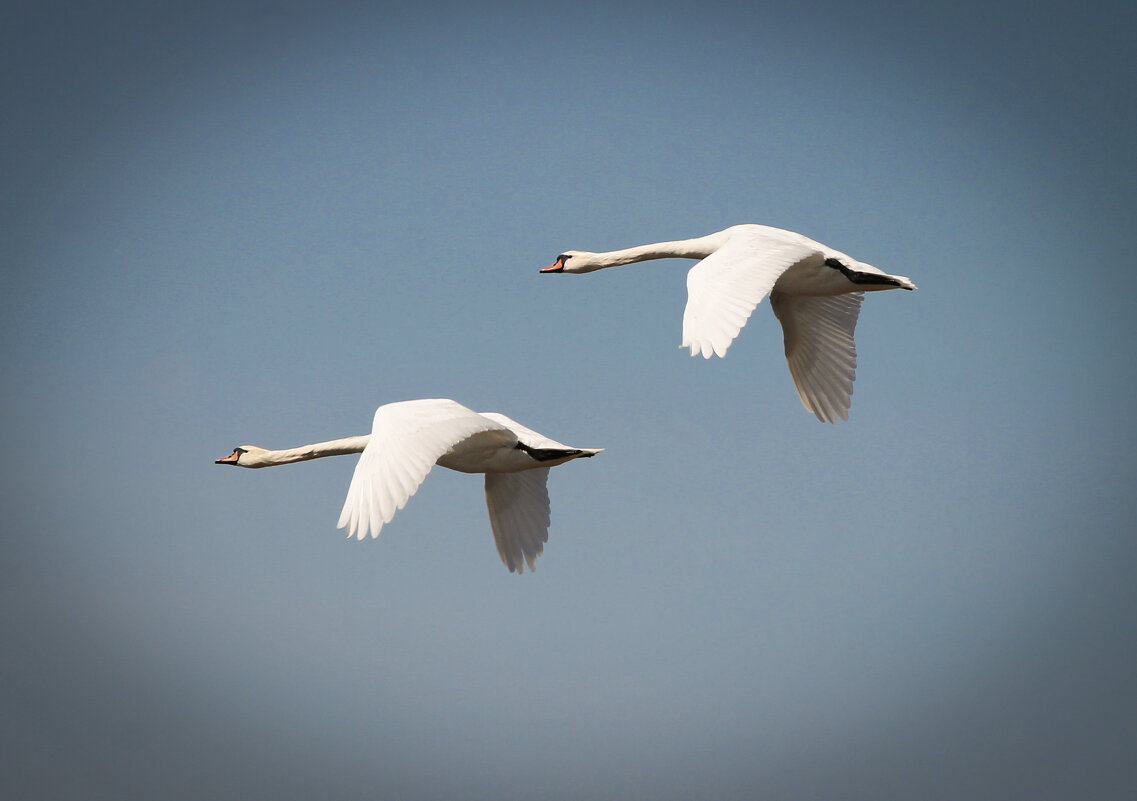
x=815 y=291
x=409 y=437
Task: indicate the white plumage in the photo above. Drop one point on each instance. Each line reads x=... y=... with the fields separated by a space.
x=409 y=437
x=815 y=292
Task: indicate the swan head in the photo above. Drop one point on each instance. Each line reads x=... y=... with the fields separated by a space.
x=575 y=261
x=246 y=456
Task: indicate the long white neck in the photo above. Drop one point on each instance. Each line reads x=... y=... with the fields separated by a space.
x=698 y=248
x=318 y=450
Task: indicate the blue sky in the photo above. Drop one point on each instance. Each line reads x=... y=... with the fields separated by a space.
x=254 y=223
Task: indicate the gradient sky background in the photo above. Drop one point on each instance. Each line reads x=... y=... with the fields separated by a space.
x=254 y=223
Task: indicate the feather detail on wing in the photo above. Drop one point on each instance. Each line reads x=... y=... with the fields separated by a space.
x=724 y=288
x=518 y=504
x=407 y=438
x=820 y=350
x=525 y=434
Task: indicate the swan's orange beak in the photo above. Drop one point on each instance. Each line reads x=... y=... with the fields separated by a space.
x=555 y=267
x=231 y=458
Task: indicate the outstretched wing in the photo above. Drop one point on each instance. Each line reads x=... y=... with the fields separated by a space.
x=724 y=288
x=407 y=438
x=518 y=504
x=820 y=349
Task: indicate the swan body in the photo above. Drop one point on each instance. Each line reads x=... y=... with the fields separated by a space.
x=409 y=437
x=815 y=292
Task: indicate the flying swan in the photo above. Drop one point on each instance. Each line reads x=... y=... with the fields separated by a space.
x=815 y=291
x=409 y=437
